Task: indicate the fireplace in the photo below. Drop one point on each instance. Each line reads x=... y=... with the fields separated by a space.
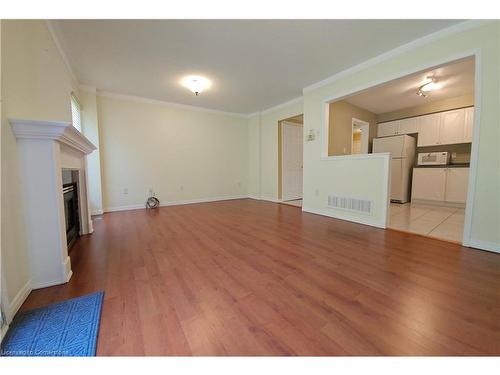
x=71 y=213
x=54 y=217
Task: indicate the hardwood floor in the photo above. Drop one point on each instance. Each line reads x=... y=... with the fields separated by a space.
x=248 y=277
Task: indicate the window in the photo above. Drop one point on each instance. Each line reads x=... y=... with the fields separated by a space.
x=76 y=112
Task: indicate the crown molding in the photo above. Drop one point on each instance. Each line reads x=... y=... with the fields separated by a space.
x=462 y=26
x=61 y=131
x=57 y=42
x=88 y=88
x=140 y=99
x=282 y=105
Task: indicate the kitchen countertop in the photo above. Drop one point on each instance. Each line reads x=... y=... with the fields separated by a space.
x=462 y=165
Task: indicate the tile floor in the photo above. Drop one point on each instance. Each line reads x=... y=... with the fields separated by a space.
x=296 y=202
x=445 y=223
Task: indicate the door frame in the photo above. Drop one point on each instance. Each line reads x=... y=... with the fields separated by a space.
x=281 y=174
x=365 y=139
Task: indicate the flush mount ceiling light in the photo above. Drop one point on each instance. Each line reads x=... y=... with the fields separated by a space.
x=433 y=84
x=196 y=84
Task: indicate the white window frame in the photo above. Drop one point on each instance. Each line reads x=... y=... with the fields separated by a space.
x=76 y=113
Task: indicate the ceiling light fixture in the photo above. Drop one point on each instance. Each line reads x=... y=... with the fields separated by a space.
x=196 y=84
x=429 y=86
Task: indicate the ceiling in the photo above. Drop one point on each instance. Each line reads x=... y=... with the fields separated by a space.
x=254 y=64
x=457 y=79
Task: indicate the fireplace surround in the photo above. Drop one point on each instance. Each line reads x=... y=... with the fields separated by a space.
x=46 y=148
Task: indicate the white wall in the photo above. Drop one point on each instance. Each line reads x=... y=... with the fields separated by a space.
x=263 y=154
x=486 y=187
x=36 y=84
x=181 y=153
x=90 y=128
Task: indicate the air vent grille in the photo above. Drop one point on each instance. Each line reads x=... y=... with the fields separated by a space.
x=350 y=204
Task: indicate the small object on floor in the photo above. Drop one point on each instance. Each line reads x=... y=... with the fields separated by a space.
x=66 y=328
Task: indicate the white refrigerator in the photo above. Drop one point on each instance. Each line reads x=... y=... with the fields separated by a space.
x=402 y=150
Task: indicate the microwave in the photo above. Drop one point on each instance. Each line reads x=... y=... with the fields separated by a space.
x=433 y=158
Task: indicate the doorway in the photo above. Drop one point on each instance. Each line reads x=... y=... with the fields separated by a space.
x=426 y=122
x=360 y=136
x=290 y=163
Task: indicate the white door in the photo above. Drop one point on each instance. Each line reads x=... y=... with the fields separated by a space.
x=457 y=182
x=291 y=161
x=408 y=126
x=387 y=129
x=452 y=127
x=469 y=124
x=428 y=184
x=428 y=130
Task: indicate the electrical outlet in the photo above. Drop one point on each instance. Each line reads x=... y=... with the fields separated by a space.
x=125 y=191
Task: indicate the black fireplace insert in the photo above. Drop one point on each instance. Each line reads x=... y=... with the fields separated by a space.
x=70 y=192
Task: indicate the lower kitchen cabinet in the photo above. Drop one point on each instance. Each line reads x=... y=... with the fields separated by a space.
x=457 y=182
x=428 y=184
x=440 y=184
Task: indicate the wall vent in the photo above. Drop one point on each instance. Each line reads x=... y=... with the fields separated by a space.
x=350 y=204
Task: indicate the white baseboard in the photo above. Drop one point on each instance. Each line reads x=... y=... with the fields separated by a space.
x=256 y=197
x=364 y=221
x=484 y=245
x=18 y=300
x=176 y=203
x=97 y=212
x=203 y=200
x=269 y=199
x=67 y=268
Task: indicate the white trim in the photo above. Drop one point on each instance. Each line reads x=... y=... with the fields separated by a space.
x=365 y=142
x=380 y=155
x=61 y=131
x=484 y=245
x=88 y=88
x=463 y=26
x=257 y=198
x=96 y=212
x=335 y=215
x=67 y=269
x=13 y=307
x=279 y=106
x=474 y=158
x=175 y=203
x=269 y=199
x=53 y=34
x=140 y=99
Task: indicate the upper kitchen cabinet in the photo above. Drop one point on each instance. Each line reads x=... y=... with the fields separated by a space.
x=452 y=127
x=387 y=129
x=390 y=128
x=428 y=130
x=469 y=124
x=408 y=126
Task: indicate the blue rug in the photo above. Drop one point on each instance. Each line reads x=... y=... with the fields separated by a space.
x=67 y=328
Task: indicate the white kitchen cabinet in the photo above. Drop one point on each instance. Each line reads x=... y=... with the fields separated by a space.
x=451 y=127
x=387 y=129
x=443 y=128
x=428 y=130
x=440 y=184
x=469 y=124
x=457 y=182
x=428 y=184
x=408 y=126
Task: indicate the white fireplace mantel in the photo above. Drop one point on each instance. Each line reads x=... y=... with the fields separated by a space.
x=45 y=148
